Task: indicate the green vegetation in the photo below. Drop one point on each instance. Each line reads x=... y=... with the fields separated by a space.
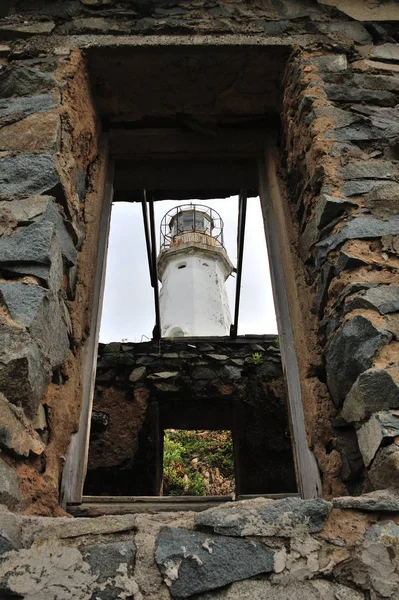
x=256 y=358
x=198 y=463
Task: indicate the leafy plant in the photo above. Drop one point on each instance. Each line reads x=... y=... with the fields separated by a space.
x=256 y=358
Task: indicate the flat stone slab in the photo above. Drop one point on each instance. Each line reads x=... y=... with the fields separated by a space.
x=363 y=227
x=317 y=589
x=192 y=562
x=378 y=501
x=263 y=517
x=26 y=174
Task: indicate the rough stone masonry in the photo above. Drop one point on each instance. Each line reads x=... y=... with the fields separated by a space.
x=335 y=95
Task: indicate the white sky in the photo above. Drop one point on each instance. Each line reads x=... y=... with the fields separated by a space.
x=128 y=309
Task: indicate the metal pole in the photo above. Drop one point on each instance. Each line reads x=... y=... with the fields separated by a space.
x=242 y=212
x=147 y=235
x=156 y=333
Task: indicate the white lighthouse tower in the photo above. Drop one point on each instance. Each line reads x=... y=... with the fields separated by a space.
x=193 y=267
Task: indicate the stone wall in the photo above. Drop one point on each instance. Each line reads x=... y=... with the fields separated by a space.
x=340 y=136
x=217 y=383
x=49 y=163
x=339 y=173
x=263 y=549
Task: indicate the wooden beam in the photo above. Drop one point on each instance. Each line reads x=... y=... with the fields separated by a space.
x=165 y=143
x=74 y=472
x=184 y=175
x=308 y=476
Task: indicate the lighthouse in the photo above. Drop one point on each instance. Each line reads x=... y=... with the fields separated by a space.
x=193 y=267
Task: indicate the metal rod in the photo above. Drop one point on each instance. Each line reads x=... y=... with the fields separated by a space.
x=242 y=212
x=156 y=333
x=147 y=235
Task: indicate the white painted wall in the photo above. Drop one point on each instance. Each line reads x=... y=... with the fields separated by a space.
x=193 y=299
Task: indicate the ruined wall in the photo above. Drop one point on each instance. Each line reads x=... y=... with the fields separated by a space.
x=339 y=169
x=49 y=167
x=338 y=229
x=340 y=137
x=263 y=549
x=217 y=383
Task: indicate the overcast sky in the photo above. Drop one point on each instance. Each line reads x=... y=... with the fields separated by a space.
x=128 y=309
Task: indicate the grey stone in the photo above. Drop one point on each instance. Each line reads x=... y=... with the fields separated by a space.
x=22 y=300
x=27 y=106
x=379 y=501
x=380 y=428
x=38 y=530
x=238 y=361
x=9 y=485
x=188 y=355
x=26 y=211
x=26 y=28
x=53 y=215
x=10 y=528
x=383 y=200
x=24 y=375
x=347 y=93
x=166 y=387
x=353 y=288
x=359 y=187
x=16 y=433
x=383 y=298
x=382 y=531
x=340 y=117
x=385 y=52
x=202 y=373
x=106 y=559
x=218 y=356
x=24 y=81
x=362 y=227
x=81 y=184
x=308 y=239
x=193 y=562
x=378 y=559
x=374 y=390
x=260 y=517
x=368 y=169
x=328 y=208
x=32 y=244
x=349 y=352
x=331 y=63
x=348 y=30
x=325 y=278
x=137 y=374
x=357 y=132
x=145 y=360
x=317 y=589
x=230 y=372
x=5 y=544
x=23 y=211
x=164 y=375
x=112 y=348
x=363 y=81
x=384 y=471
x=26 y=174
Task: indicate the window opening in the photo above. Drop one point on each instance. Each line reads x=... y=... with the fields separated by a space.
x=198 y=463
x=127 y=271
